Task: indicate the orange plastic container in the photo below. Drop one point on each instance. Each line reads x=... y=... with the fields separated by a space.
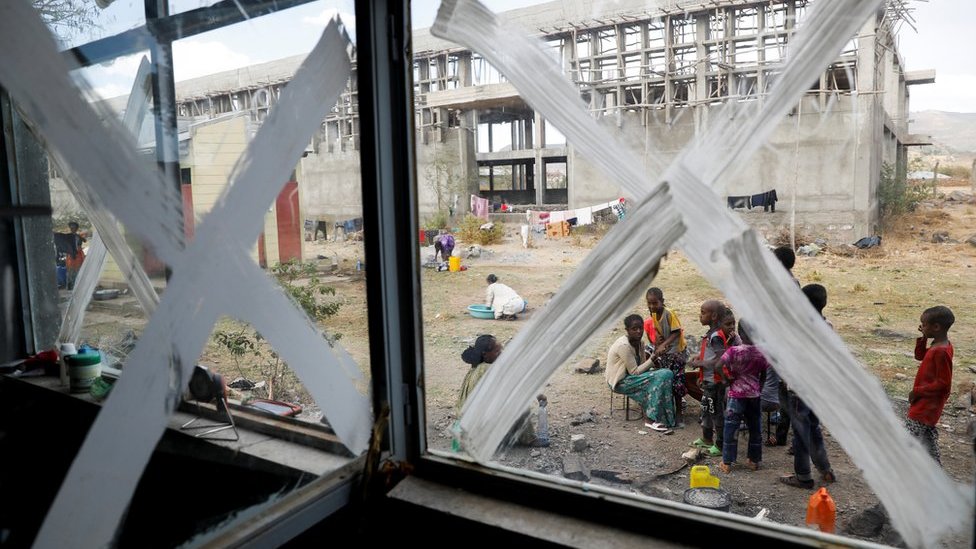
x=821 y=511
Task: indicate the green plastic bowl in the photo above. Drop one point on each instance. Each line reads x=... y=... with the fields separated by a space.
x=481 y=311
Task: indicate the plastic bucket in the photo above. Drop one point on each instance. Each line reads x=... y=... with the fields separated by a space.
x=454 y=264
x=709 y=498
x=83 y=370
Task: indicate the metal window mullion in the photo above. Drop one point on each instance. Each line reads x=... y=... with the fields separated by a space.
x=389 y=217
x=164 y=100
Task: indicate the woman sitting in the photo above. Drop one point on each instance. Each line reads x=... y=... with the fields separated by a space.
x=631 y=371
x=503 y=299
x=667 y=343
x=481 y=356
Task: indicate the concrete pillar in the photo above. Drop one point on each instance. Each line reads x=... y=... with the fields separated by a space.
x=539 y=167
x=701 y=81
x=868 y=121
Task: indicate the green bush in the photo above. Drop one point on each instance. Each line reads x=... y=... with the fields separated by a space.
x=470 y=231
x=895 y=195
x=301 y=282
x=438 y=220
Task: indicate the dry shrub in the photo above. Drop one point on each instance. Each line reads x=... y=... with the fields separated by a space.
x=470 y=231
x=931 y=217
x=782 y=238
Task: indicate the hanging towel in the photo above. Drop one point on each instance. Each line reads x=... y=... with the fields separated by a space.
x=479 y=206
x=767 y=200
x=584 y=216
x=556 y=217
x=740 y=201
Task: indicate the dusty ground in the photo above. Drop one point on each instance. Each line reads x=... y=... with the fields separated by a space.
x=875 y=299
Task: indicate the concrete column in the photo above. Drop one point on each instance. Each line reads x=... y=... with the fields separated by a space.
x=869 y=127
x=539 y=167
x=701 y=80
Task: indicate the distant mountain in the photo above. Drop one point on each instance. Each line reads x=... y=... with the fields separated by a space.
x=956 y=131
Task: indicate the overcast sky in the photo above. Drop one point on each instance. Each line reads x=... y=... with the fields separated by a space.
x=945 y=41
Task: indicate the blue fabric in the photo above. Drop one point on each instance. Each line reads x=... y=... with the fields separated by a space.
x=751 y=410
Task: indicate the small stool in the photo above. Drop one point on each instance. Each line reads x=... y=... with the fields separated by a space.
x=627 y=409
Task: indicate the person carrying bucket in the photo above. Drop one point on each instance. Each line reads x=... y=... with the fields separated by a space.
x=503 y=299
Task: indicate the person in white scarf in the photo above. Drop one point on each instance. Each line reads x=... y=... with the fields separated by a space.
x=503 y=299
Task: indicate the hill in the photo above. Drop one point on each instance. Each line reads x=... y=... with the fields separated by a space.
x=955 y=131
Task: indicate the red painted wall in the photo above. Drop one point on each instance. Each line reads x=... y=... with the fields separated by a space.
x=289 y=223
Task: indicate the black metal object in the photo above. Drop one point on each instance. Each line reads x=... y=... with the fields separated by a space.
x=384 y=67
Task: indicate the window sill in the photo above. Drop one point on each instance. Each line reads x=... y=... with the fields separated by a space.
x=302 y=447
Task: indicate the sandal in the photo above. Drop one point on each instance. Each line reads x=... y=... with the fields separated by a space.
x=699 y=443
x=792 y=480
x=656 y=426
x=725 y=467
x=829 y=477
x=754 y=465
x=713 y=451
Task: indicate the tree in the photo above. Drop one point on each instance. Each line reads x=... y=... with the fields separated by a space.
x=65 y=17
x=444 y=177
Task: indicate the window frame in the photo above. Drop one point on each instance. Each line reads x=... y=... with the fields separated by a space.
x=390 y=202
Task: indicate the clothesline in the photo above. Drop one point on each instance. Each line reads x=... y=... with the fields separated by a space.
x=582 y=216
x=767 y=200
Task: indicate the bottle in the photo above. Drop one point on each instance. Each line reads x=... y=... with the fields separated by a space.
x=542 y=434
x=821 y=511
x=456 y=437
x=359 y=265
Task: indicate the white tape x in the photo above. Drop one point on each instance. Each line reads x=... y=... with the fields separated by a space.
x=215 y=274
x=805 y=351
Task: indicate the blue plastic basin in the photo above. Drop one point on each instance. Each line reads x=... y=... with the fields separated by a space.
x=481 y=311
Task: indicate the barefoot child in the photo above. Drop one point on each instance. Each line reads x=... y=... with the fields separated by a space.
x=713 y=390
x=933 y=382
x=743 y=367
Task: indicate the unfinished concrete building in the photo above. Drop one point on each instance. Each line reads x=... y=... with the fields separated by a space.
x=659 y=73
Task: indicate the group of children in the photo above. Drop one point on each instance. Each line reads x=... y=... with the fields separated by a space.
x=735 y=383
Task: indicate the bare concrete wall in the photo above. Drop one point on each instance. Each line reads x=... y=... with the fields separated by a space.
x=833 y=170
x=330 y=185
x=447 y=165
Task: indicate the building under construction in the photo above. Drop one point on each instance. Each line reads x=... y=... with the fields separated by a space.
x=657 y=73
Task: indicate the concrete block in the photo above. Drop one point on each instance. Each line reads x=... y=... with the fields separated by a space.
x=575 y=469
x=578 y=442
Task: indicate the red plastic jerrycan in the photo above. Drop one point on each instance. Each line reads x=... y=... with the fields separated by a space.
x=821 y=511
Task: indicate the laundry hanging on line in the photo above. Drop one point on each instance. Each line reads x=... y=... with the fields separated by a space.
x=767 y=200
x=579 y=216
x=480 y=206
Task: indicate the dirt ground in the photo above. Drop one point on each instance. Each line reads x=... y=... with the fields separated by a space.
x=875 y=299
